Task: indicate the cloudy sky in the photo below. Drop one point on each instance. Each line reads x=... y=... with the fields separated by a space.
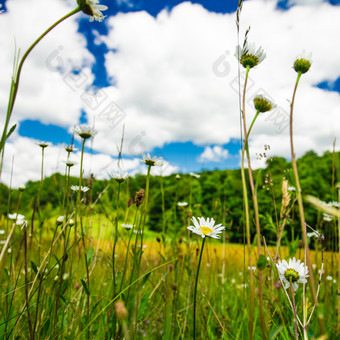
x=166 y=71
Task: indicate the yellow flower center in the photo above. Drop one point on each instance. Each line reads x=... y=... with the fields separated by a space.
x=206 y=230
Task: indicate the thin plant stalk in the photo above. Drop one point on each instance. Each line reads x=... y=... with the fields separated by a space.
x=195 y=289
x=338 y=326
x=246 y=210
x=294 y=310
x=83 y=236
x=16 y=79
x=301 y=211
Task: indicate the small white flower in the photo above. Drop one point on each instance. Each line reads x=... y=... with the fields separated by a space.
x=91 y=7
x=127 y=226
x=291 y=188
x=120 y=176
x=76 y=188
x=233 y=281
x=182 y=204
x=249 y=56
x=206 y=227
x=43 y=145
x=2 y=232
x=327 y=218
x=60 y=219
x=194 y=175
x=154 y=161
x=314 y=266
x=333 y=204
x=293 y=271
x=65 y=276
x=329 y=278
x=16 y=216
x=85 y=132
x=9 y=250
x=253 y=268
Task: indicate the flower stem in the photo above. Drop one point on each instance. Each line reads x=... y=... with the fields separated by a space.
x=294 y=310
x=195 y=290
x=16 y=78
x=246 y=209
x=301 y=211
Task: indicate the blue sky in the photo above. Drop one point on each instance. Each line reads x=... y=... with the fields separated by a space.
x=166 y=70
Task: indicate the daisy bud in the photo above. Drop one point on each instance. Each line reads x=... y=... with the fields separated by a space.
x=302 y=64
x=262 y=104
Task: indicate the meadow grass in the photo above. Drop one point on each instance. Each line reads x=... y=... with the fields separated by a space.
x=84 y=275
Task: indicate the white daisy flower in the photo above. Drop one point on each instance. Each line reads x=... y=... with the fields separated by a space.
x=16 y=216
x=291 y=188
x=120 y=176
x=85 y=132
x=182 y=204
x=329 y=278
x=2 y=232
x=253 y=268
x=76 y=188
x=206 y=227
x=43 y=145
x=294 y=271
x=249 y=56
x=154 y=161
x=127 y=226
x=91 y=7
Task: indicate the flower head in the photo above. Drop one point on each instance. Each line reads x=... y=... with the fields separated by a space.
x=127 y=226
x=182 y=204
x=120 y=176
x=248 y=56
x=292 y=272
x=152 y=161
x=303 y=63
x=194 y=175
x=70 y=148
x=91 y=7
x=43 y=145
x=85 y=132
x=76 y=188
x=206 y=227
x=70 y=164
x=16 y=216
x=263 y=104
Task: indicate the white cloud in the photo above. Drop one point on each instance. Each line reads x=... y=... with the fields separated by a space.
x=174 y=77
x=213 y=154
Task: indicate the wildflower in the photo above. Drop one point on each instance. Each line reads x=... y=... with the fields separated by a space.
x=293 y=272
x=182 y=204
x=60 y=220
x=2 y=232
x=85 y=132
x=327 y=218
x=70 y=148
x=233 y=281
x=43 y=145
x=206 y=227
x=194 y=175
x=17 y=217
x=303 y=63
x=248 y=56
x=120 y=176
x=127 y=226
x=76 y=188
x=152 y=161
x=334 y=204
x=65 y=276
x=139 y=198
x=314 y=266
x=70 y=164
x=329 y=278
x=291 y=188
x=21 y=189
x=178 y=177
x=91 y=7
x=253 y=268
x=262 y=104
x=120 y=310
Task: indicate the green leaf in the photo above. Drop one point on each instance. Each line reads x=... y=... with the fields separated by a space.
x=11 y=131
x=90 y=255
x=262 y=262
x=85 y=287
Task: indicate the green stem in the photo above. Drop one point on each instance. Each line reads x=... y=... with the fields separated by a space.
x=16 y=77
x=83 y=236
x=301 y=211
x=195 y=290
x=294 y=310
x=246 y=208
